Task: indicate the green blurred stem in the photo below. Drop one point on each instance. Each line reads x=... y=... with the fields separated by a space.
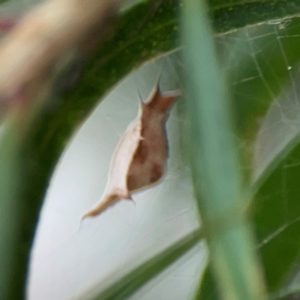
x=128 y=284
x=10 y=183
x=215 y=165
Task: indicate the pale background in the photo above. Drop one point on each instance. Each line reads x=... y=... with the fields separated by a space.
x=66 y=262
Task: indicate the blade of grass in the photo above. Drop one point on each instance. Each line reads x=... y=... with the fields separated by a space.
x=131 y=282
x=215 y=165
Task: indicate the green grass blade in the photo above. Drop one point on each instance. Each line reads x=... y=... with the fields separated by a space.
x=131 y=282
x=215 y=165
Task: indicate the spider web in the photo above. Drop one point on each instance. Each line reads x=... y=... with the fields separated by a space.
x=257 y=61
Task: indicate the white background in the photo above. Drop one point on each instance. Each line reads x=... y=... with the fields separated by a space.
x=66 y=262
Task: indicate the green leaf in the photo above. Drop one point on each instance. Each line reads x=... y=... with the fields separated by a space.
x=275 y=209
x=132 y=281
x=228 y=15
x=276 y=212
